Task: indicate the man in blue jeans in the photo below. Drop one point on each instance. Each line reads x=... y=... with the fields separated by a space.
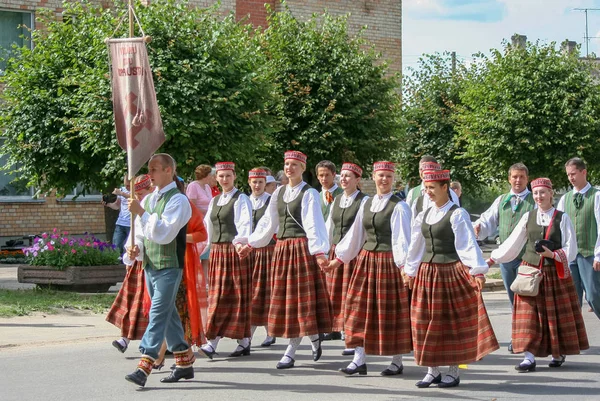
x=160 y=233
x=582 y=204
x=503 y=215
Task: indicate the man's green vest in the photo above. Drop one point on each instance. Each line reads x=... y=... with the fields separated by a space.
x=158 y=256
x=343 y=218
x=439 y=239
x=326 y=207
x=290 y=215
x=584 y=220
x=223 y=220
x=378 y=225
x=507 y=218
x=536 y=232
x=413 y=194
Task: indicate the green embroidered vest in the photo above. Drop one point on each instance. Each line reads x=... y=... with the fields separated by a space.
x=413 y=194
x=439 y=239
x=257 y=214
x=507 y=219
x=584 y=221
x=290 y=215
x=343 y=218
x=158 y=256
x=378 y=226
x=223 y=220
x=536 y=232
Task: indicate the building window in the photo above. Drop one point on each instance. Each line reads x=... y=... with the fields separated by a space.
x=12 y=184
x=13 y=30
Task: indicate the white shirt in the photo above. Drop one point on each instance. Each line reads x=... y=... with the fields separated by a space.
x=427 y=203
x=242 y=215
x=561 y=207
x=511 y=248
x=124 y=214
x=349 y=247
x=489 y=220
x=465 y=243
x=345 y=202
x=161 y=230
x=312 y=220
x=258 y=202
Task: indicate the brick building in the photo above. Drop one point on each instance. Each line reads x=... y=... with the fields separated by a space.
x=21 y=215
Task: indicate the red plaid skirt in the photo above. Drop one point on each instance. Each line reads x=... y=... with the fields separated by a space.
x=228 y=293
x=299 y=301
x=126 y=311
x=377 y=306
x=450 y=325
x=337 y=287
x=551 y=322
x=261 y=285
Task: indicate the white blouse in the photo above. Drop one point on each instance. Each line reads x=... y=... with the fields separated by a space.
x=427 y=203
x=561 y=207
x=349 y=247
x=490 y=219
x=161 y=230
x=242 y=212
x=511 y=248
x=464 y=240
x=259 y=202
x=345 y=201
x=311 y=216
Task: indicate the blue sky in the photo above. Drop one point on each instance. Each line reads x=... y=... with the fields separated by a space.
x=470 y=26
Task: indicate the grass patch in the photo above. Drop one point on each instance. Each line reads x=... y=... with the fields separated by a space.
x=25 y=302
x=495 y=275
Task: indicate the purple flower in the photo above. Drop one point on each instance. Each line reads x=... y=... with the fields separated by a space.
x=35 y=254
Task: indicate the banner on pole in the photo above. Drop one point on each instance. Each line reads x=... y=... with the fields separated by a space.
x=137 y=118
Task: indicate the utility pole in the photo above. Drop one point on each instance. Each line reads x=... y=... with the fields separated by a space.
x=587 y=35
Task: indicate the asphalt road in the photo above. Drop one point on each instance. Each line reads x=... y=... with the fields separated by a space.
x=69 y=357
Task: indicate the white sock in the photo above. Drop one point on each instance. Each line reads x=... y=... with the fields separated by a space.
x=529 y=357
x=252 y=330
x=244 y=342
x=557 y=359
x=359 y=357
x=212 y=343
x=123 y=341
x=290 y=351
x=314 y=341
x=451 y=375
x=268 y=338
x=396 y=363
x=343 y=335
x=432 y=373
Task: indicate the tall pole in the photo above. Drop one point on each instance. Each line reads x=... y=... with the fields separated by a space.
x=131 y=26
x=587 y=36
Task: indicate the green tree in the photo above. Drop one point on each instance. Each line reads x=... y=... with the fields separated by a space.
x=212 y=82
x=535 y=105
x=336 y=100
x=431 y=99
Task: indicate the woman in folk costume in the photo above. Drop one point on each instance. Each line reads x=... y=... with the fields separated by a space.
x=549 y=323
x=127 y=312
x=229 y=218
x=377 y=316
x=261 y=258
x=341 y=217
x=299 y=301
x=445 y=269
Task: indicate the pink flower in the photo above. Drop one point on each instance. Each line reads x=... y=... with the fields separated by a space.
x=50 y=247
x=44 y=235
x=73 y=250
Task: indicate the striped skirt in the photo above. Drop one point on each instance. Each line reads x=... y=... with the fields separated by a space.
x=450 y=325
x=229 y=280
x=261 y=284
x=299 y=301
x=126 y=311
x=337 y=286
x=377 y=306
x=551 y=322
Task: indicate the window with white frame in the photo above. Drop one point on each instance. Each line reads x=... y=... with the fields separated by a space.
x=13 y=31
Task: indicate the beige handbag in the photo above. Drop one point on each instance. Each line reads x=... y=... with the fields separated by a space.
x=527 y=282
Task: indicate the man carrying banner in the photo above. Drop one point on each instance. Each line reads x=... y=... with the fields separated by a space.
x=160 y=234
